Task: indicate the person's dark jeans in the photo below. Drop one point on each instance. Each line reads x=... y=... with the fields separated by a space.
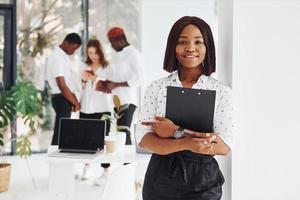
x=62 y=108
x=98 y=116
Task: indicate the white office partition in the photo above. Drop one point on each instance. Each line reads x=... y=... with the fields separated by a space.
x=224 y=74
x=266 y=70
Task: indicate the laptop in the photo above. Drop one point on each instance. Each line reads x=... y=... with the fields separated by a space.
x=80 y=138
x=137 y=148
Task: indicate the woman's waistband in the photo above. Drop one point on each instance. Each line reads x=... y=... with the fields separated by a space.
x=189 y=155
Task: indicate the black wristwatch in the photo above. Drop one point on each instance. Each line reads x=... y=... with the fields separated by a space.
x=179 y=133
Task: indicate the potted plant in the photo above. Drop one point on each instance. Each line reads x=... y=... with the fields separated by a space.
x=117 y=131
x=21 y=101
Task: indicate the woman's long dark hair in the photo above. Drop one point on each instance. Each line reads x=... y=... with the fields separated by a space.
x=171 y=63
x=96 y=44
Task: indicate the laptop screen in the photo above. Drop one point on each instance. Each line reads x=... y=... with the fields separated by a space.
x=81 y=134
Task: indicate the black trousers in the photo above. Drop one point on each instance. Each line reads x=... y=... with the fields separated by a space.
x=183 y=176
x=62 y=108
x=126 y=120
x=98 y=116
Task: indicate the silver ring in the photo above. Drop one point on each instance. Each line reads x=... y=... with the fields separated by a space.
x=205 y=142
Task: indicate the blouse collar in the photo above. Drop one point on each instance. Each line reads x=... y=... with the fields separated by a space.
x=175 y=79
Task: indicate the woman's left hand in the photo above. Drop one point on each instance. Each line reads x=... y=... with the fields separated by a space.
x=163 y=127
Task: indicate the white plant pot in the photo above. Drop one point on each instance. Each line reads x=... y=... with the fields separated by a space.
x=120 y=140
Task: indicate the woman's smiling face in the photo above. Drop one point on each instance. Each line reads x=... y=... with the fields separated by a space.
x=190 y=48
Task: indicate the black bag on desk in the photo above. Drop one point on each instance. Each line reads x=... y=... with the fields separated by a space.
x=191 y=108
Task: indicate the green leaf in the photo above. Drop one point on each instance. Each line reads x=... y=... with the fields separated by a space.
x=25 y=118
x=120 y=116
x=122 y=128
x=124 y=107
x=7 y=108
x=9 y=113
x=117 y=102
x=24 y=146
x=26 y=98
x=21 y=99
x=107 y=117
x=1 y=140
x=116 y=116
x=3 y=120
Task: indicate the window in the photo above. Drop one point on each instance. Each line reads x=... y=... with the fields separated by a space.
x=41 y=26
x=7 y=67
x=7 y=54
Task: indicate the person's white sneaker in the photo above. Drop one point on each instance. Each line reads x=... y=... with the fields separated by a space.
x=101 y=181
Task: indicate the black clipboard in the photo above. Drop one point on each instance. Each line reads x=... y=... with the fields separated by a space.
x=192 y=109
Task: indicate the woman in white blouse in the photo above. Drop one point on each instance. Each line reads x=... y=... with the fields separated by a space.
x=183 y=164
x=95 y=104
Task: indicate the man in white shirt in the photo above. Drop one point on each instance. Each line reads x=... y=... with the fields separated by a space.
x=58 y=73
x=125 y=77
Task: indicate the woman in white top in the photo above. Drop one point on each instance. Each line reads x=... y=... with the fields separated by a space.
x=94 y=104
x=182 y=165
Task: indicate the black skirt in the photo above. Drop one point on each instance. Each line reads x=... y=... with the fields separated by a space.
x=183 y=175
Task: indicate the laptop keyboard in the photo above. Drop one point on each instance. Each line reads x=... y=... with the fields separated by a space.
x=82 y=152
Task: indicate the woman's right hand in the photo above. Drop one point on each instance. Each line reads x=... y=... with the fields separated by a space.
x=76 y=107
x=202 y=145
x=85 y=75
x=92 y=77
x=88 y=76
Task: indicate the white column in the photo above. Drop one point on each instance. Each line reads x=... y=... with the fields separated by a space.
x=224 y=74
x=266 y=89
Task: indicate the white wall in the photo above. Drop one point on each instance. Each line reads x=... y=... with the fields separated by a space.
x=224 y=74
x=158 y=16
x=266 y=70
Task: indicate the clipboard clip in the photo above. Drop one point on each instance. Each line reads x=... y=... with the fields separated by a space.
x=182 y=92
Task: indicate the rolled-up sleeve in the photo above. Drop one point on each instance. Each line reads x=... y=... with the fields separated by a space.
x=148 y=111
x=223 y=120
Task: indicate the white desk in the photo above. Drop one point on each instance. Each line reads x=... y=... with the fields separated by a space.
x=61 y=170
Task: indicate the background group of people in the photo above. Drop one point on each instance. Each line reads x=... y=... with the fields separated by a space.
x=99 y=80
